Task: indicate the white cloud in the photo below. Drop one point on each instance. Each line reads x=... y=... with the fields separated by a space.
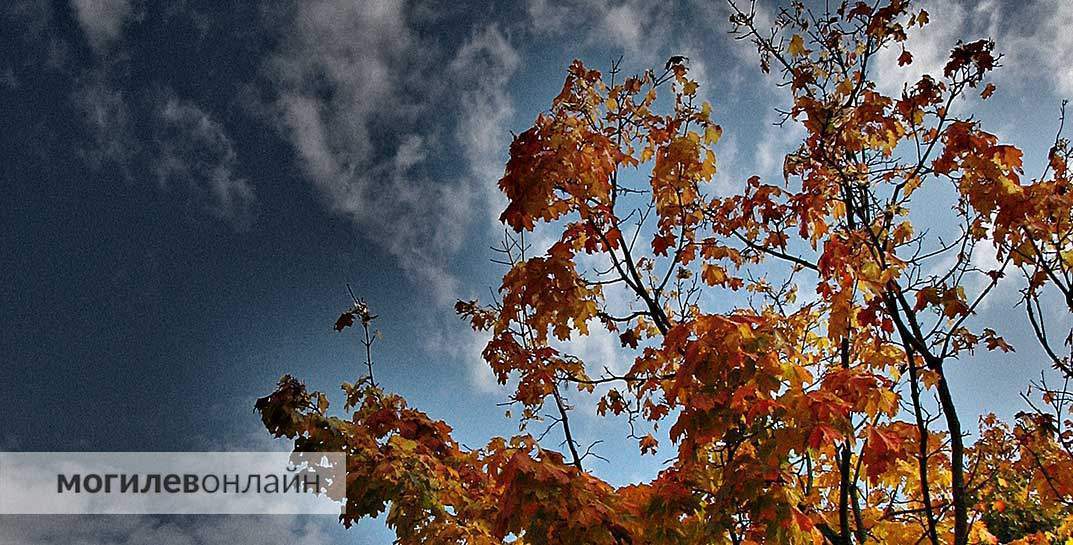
x=191 y=152
x=719 y=12
x=1034 y=40
x=189 y=148
x=729 y=178
x=483 y=66
x=547 y=17
x=930 y=47
x=624 y=24
x=774 y=142
x=107 y=116
x=361 y=96
x=102 y=20
x=1037 y=42
x=480 y=373
x=196 y=151
x=359 y=54
x=637 y=27
x=985 y=258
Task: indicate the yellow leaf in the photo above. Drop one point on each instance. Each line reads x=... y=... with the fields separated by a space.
x=797 y=45
x=869 y=271
x=712 y=133
x=1067 y=258
x=713 y=274
x=708 y=168
x=1009 y=186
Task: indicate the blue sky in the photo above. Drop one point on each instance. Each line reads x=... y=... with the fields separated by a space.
x=189 y=187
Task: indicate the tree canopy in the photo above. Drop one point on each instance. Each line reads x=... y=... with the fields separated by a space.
x=793 y=336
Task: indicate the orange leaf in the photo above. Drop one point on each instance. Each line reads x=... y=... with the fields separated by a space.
x=649 y=444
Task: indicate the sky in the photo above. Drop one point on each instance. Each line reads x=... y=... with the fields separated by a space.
x=189 y=187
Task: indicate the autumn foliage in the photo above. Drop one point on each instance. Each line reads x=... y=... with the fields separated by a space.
x=792 y=337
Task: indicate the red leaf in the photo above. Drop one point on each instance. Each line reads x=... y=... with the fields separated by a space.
x=660 y=243
x=345 y=320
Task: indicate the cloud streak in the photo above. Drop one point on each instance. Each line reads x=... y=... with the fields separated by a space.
x=102 y=20
x=1033 y=39
x=636 y=27
x=190 y=152
x=196 y=151
x=361 y=96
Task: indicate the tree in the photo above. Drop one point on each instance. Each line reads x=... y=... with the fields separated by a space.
x=794 y=418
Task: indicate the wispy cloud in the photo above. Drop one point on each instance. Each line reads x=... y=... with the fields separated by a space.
x=1037 y=41
x=107 y=116
x=639 y=28
x=363 y=97
x=930 y=47
x=196 y=152
x=483 y=67
x=190 y=151
x=1033 y=38
x=102 y=20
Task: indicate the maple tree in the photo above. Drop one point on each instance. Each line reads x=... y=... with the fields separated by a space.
x=817 y=408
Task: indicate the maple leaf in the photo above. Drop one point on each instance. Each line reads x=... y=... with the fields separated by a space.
x=884 y=447
x=926 y=296
x=714 y=274
x=995 y=342
x=648 y=444
x=822 y=434
x=660 y=243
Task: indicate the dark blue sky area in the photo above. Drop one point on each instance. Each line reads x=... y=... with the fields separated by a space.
x=135 y=318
